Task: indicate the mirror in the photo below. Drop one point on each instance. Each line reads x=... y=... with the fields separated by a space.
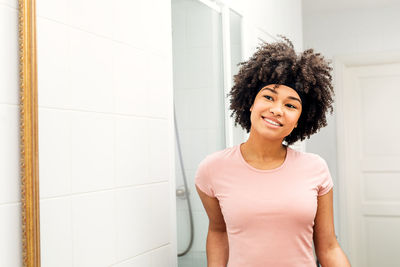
x=96 y=107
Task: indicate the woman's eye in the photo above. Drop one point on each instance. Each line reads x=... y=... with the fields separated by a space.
x=268 y=97
x=290 y=106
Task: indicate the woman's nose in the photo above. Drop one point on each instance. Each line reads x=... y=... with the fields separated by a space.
x=276 y=110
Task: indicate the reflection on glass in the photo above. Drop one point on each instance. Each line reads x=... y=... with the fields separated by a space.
x=200 y=115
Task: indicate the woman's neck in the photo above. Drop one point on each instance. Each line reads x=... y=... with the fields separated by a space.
x=262 y=149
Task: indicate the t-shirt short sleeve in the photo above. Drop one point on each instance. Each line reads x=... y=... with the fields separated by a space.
x=203 y=179
x=326 y=180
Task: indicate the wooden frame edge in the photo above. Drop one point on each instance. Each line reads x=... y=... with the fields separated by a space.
x=29 y=134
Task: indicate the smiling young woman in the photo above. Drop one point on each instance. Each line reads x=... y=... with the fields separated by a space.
x=266 y=202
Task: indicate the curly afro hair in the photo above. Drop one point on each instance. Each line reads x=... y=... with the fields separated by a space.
x=277 y=63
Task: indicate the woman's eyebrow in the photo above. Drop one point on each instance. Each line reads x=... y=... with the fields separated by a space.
x=271 y=89
x=275 y=92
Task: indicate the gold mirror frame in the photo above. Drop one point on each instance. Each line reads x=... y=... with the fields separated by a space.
x=29 y=163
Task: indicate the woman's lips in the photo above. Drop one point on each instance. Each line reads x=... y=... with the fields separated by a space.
x=271 y=123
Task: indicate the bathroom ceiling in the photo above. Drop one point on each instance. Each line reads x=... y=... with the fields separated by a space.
x=315 y=6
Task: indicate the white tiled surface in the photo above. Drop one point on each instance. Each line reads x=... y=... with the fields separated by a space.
x=9 y=158
x=159 y=153
x=105 y=105
x=9 y=54
x=53 y=57
x=160 y=257
x=129 y=20
x=10 y=206
x=94 y=16
x=55 y=175
x=130 y=80
x=56 y=232
x=129 y=226
x=91 y=71
x=10 y=3
x=92 y=149
x=93 y=229
x=10 y=232
x=131 y=151
x=54 y=10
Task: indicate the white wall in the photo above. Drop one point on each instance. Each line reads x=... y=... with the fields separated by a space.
x=10 y=204
x=344 y=32
x=270 y=18
x=106 y=133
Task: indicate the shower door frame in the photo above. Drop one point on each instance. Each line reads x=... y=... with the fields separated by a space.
x=224 y=9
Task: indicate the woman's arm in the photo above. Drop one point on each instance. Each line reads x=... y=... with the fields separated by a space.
x=217 y=239
x=326 y=246
x=217 y=248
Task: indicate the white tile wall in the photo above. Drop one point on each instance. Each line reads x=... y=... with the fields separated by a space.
x=56 y=232
x=93 y=229
x=53 y=57
x=105 y=130
x=92 y=149
x=9 y=54
x=10 y=232
x=160 y=257
x=130 y=80
x=130 y=226
x=156 y=35
x=10 y=3
x=131 y=151
x=91 y=69
x=138 y=261
x=150 y=202
x=129 y=19
x=10 y=206
x=159 y=69
x=158 y=149
x=55 y=175
x=9 y=158
x=54 y=10
x=94 y=16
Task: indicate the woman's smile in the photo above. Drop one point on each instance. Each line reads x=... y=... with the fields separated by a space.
x=271 y=123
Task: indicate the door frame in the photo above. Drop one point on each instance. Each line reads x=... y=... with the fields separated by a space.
x=345 y=149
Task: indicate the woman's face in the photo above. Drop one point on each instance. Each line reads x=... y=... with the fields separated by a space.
x=281 y=105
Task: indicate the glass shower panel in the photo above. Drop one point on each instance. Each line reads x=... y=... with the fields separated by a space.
x=235 y=29
x=200 y=113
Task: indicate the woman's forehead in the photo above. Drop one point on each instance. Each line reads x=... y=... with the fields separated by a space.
x=279 y=89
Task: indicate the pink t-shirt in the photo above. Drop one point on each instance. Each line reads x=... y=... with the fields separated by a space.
x=269 y=214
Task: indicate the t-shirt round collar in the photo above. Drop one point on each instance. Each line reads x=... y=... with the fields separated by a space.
x=288 y=154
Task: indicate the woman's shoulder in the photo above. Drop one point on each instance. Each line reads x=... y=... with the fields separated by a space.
x=308 y=157
x=218 y=157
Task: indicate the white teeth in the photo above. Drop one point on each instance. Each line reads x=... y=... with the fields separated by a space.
x=272 y=122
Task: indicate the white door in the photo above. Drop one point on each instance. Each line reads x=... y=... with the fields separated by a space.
x=371 y=162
